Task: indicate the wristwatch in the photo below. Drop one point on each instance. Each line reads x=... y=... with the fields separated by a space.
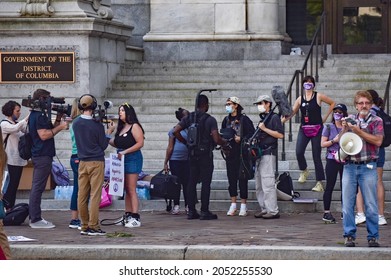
x=332 y=141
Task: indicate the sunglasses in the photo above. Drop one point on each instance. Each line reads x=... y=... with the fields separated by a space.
x=126 y=104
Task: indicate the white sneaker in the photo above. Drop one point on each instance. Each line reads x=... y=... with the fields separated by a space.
x=175 y=210
x=132 y=222
x=303 y=176
x=360 y=218
x=232 y=210
x=382 y=220
x=243 y=211
x=318 y=187
x=42 y=224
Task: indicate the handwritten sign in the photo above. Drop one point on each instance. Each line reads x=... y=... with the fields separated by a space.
x=116 y=175
x=37 y=67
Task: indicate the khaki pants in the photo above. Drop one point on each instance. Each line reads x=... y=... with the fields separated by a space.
x=4 y=242
x=91 y=177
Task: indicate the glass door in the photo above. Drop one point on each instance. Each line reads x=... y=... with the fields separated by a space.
x=363 y=26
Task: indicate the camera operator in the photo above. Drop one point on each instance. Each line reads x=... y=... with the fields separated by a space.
x=242 y=128
x=270 y=131
x=43 y=150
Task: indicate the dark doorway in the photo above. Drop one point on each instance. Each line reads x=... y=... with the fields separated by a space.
x=362 y=26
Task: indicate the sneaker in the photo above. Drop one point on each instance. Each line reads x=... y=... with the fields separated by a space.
x=349 y=242
x=175 y=210
x=132 y=222
x=318 y=187
x=123 y=220
x=243 y=212
x=271 y=216
x=373 y=242
x=259 y=214
x=95 y=232
x=232 y=210
x=75 y=223
x=328 y=218
x=192 y=215
x=360 y=218
x=207 y=215
x=382 y=220
x=303 y=176
x=85 y=231
x=42 y=224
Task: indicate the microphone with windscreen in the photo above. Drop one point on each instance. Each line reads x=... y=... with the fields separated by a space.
x=281 y=100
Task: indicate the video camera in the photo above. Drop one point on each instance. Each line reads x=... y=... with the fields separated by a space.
x=48 y=104
x=100 y=114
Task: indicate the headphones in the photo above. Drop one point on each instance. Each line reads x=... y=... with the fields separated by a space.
x=87 y=102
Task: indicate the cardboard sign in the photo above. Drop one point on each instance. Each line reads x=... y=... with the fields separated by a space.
x=117 y=179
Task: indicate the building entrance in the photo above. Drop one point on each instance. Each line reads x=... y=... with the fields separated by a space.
x=362 y=26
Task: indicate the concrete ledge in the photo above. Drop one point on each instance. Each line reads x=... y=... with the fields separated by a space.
x=142 y=252
x=97 y=252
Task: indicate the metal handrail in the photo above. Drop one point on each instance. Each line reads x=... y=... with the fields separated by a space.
x=310 y=67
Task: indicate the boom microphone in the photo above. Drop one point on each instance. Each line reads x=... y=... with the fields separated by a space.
x=281 y=100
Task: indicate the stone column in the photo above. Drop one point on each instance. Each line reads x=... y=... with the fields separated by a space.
x=263 y=17
x=85 y=27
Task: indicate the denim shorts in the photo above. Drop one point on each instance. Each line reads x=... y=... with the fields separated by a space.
x=133 y=162
x=382 y=157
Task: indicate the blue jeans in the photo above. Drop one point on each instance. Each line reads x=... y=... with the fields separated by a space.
x=75 y=169
x=301 y=146
x=365 y=177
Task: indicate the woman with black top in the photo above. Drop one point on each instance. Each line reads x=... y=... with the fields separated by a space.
x=311 y=127
x=242 y=128
x=129 y=139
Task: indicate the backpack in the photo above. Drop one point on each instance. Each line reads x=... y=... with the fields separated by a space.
x=60 y=174
x=284 y=187
x=197 y=139
x=25 y=145
x=387 y=127
x=17 y=215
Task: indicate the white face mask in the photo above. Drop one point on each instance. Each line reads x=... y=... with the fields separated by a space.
x=261 y=108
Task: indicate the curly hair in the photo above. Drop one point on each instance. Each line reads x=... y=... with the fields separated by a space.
x=9 y=107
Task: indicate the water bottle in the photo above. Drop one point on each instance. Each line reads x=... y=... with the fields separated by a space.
x=57 y=193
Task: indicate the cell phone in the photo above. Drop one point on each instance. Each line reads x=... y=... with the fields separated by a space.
x=350 y=120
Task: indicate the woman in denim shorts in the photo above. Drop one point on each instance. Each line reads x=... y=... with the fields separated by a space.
x=129 y=139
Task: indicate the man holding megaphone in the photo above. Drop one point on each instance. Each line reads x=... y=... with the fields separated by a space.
x=360 y=147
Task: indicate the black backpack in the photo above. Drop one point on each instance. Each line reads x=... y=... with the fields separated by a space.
x=17 y=215
x=197 y=138
x=25 y=145
x=387 y=127
x=284 y=187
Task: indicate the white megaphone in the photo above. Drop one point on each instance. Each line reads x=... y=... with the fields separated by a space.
x=350 y=144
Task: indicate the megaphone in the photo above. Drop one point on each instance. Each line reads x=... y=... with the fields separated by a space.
x=350 y=144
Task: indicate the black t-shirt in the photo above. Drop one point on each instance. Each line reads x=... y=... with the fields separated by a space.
x=210 y=124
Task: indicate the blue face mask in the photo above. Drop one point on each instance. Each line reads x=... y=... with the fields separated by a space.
x=14 y=117
x=229 y=109
x=308 y=86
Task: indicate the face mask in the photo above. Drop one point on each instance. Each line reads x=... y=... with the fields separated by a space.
x=229 y=109
x=261 y=108
x=14 y=118
x=338 y=116
x=308 y=86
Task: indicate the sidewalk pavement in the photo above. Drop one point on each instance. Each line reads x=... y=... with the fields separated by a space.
x=165 y=236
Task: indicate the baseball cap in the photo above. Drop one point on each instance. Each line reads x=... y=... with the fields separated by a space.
x=234 y=99
x=264 y=97
x=341 y=107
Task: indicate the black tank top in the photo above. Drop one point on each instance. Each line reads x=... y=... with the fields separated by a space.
x=310 y=109
x=125 y=140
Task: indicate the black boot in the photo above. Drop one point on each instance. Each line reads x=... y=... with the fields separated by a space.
x=207 y=215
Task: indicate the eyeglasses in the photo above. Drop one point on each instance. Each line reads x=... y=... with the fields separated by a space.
x=362 y=103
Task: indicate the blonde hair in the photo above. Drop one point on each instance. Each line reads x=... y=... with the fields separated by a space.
x=75 y=109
